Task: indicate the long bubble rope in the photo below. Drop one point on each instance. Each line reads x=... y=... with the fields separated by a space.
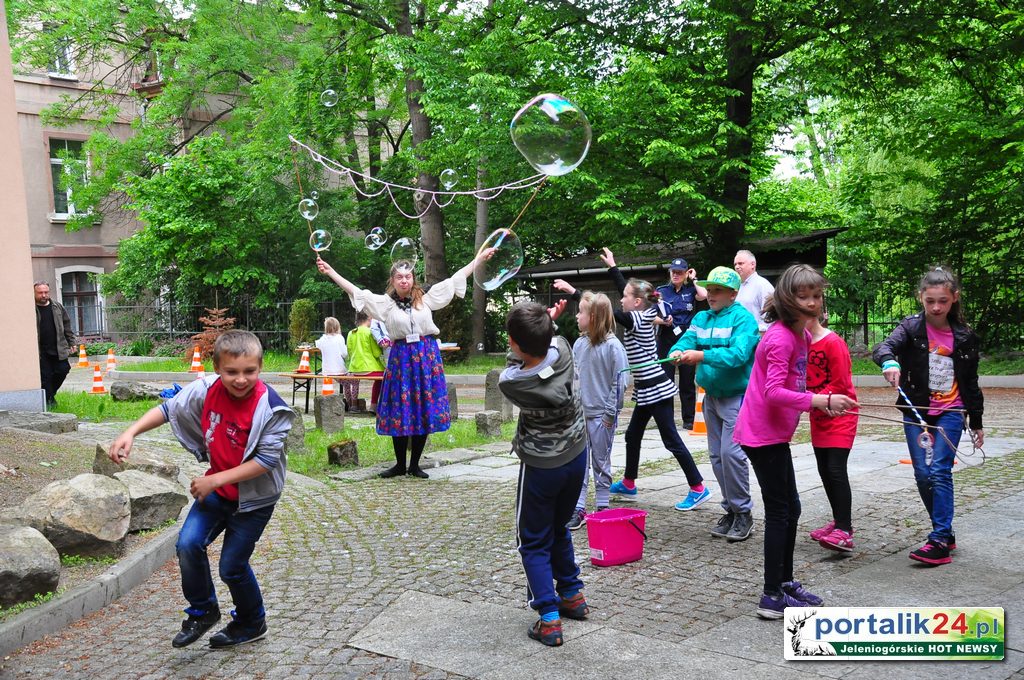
x=645 y=365
x=927 y=440
x=422 y=195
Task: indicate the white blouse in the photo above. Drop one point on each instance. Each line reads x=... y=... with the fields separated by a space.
x=400 y=322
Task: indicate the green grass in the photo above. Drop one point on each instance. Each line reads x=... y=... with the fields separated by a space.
x=7 y=612
x=79 y=561
x=374 y=448
x=474 y=365
x=274 y=362
x=97 y=407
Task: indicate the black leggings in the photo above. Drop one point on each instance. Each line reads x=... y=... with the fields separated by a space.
x=402 y=443
x=661 y=411
x=832 y=468
x=773 y=466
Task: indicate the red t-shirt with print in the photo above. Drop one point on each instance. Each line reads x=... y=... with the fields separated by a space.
x=227 y=422
x=829 y=371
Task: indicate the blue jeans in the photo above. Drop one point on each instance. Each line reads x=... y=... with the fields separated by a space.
x=935 y=481
x=241 y=530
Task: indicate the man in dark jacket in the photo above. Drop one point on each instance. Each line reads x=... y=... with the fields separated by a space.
x=55 y=341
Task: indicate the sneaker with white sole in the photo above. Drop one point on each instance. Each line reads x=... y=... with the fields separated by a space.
x=693 y=499
x=837 y=540
x=578 y=519
x=724 y=524
x=822 y=532
x=621 y=492
x=774 y=606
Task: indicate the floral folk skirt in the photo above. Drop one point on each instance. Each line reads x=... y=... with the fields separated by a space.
x=414 y=396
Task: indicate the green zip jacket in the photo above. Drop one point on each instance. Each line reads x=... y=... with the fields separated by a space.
x=728 y=339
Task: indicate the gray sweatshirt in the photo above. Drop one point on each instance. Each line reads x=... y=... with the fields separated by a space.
x=551 y=430
x=602 y=384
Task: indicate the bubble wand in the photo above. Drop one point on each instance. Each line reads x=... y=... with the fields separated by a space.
x=925 y=440
x=645 y=365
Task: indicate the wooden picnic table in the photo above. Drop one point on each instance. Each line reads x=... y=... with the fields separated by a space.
x=307 y=381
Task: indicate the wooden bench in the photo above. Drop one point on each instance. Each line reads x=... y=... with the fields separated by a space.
x=307 y=381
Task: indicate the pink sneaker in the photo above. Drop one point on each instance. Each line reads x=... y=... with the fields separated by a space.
x=822 y=532
x=837 y=540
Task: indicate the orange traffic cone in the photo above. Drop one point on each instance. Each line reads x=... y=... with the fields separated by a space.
x=200 y=374
x=111 y=361
x=197 y=361
x=699 y=426
x=83 y=360
x=97 y=381
x=328 y=390
x=303 y=362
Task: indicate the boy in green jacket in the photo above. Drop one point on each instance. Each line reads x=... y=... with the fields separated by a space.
x=721 y=343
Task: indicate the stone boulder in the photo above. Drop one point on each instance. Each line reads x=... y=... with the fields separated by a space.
x=296 y=440
x=29 y=565
x=494 y=400
x=453 y=401
x=329 y=413
x=147 y=462
x=153 y=500
x=124 y=390
x=345 y=452
x=87 y=515
x=488 y=423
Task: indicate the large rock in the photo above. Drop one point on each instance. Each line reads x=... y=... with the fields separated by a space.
x=147 y=462
x=29 y=565
x=154 y=500
x=453 y=402
x=344 y=452
x=296 y=440
x=123 y=390
x=51 y=423
x=494 y=400
x=488 y=423
x=87 y=515
x=329 y=413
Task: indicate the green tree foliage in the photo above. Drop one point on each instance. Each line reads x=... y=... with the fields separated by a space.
x=301 y=320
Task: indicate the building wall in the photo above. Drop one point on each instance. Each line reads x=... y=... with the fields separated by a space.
x=19 y=380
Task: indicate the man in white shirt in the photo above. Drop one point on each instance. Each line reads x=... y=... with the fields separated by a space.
x=754 y=288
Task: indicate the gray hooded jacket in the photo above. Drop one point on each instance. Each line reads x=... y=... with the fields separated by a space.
x=271 y=422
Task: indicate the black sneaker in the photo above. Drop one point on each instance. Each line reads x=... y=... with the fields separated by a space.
x=194 y=627
x=393 y=471
x=578 y=519
x=235 y=634
x=724 y=524
x=741 y=528
x=932 y=553
x=417 y=472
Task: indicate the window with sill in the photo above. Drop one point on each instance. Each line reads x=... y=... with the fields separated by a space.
x=62 y=64
x=64 y=154
x=82 y=301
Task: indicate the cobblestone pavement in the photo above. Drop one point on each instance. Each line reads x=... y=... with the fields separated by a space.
x=335 y=555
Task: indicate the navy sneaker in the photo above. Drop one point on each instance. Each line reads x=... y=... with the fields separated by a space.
x=795 y=590
x=195 y=626
x=774 y=606
x=235 y=634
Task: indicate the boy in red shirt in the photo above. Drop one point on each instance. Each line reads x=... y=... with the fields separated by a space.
x=238 y=424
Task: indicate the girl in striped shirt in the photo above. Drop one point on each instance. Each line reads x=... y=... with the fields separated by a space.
x=652 y=389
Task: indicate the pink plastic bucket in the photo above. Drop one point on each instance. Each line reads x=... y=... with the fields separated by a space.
x=616 y=536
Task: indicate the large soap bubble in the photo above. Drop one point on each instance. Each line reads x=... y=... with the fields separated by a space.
x=552 y=134
x=449 y=178
x=503 y=264
x=405 y=250
x=329 y=98
x=320 y=240
x=308 y=208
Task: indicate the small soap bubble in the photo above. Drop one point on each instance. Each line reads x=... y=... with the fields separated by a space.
x=381 y=234
x=320 y=240
x=315 y=195
x=479 y=347
x=372 y=242
x=308 y=208
x=552 y=134
x=405 y=250
x=449 y=178
x=503 y=264
x=328 y=98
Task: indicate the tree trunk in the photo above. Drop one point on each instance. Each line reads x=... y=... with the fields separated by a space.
x=435 y=268
x=482 y=230
x=740 y=75
x=817 y=167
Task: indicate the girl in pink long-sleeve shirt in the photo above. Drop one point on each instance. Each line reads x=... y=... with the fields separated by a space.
x=775 y=397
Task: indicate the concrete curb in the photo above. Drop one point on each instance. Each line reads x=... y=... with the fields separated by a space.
x=457 y=379
x=1010 y=381
x=87 y=598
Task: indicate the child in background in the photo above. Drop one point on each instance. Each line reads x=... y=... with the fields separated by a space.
x=830 y=371
x=934 y=356
x=380 y=334
x=550 y=440
x=652 y=388
x=238 y=424
x=600 y=360
x=775 y=396
x=721 y=342
x=333 y=348
x=365 y=358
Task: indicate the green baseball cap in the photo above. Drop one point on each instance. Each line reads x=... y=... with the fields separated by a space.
x=722 y=276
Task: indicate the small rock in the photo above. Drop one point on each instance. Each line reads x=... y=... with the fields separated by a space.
x=329 y=413
x=29 y=565
x=296 y=439
x=147 y=462
x=453 y=402
x=122 y=390
x=488 y=423
x=153 y=500
x=345 y=452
